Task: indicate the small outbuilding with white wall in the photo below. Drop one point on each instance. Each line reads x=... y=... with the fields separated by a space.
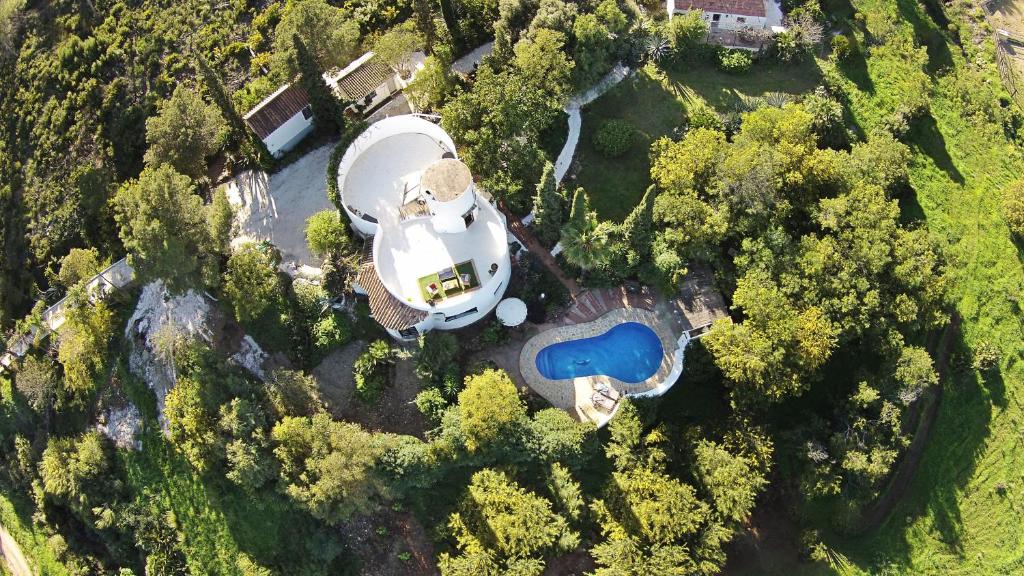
x=282 y=119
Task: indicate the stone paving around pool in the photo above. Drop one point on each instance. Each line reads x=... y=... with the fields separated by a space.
x=575 y=395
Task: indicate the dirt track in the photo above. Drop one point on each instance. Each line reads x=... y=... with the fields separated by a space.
x=12 y=555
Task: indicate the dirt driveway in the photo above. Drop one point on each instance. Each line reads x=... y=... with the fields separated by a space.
x=275 y=208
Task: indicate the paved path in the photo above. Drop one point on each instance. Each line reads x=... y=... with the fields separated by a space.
x=468 y=63
x=564 y=161
x=523 y=234
x=11 y=553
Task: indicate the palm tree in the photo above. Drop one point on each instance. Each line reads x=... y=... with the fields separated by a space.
x=587 y=245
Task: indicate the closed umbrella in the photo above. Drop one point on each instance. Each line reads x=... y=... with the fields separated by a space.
x=511 y=311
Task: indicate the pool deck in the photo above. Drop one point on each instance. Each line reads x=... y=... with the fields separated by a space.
x=574 y=395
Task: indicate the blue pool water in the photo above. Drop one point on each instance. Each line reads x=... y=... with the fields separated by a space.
x=630 y=352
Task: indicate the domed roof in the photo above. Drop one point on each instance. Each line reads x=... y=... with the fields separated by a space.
x=446 y=179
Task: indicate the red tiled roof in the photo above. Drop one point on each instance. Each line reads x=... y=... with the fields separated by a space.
x=740 y=7
x=277 y=109
x=387 y=310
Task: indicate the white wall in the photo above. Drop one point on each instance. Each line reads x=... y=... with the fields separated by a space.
x=288 y=134
x=726 y=21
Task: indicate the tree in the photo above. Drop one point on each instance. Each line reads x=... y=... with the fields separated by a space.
x=327 y=110
x=396 y=46
x=240 y=134
x=432 y=84
x=329 y=467
x=637 y=229
x=541 y=61
x=424 y=15
x=654 y=524
x=500 y=519
x=184 y=133
x=732 y=481
x=164 y=228
x=490 y=409
x=548 y=207
x=1013 y=206
x=771 y=354
x=327 y=234
x=36 y=380
x=587 y=246
x=70 y=465
x=293 y=393
x=251 y=281
x=331 y=34
x=191 y=426
x=593 y=51
x=78 y=265
x=557 y=437
x=84 y=339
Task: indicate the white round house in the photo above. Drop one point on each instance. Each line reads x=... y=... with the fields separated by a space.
x=439 y=254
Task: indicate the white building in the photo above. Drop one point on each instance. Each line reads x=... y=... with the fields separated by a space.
x=726 y=14
x=439 y=255
x=282 y=119
x=368 y=82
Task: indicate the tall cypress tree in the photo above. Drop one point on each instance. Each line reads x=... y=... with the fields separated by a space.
x=451 y=21
x=425 y=21
x=638 y=228
x=548 y=207
x=239 y=133
x=327 y=110
x=580 y=209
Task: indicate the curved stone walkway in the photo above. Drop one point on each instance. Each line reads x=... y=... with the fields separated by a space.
x=564 y=161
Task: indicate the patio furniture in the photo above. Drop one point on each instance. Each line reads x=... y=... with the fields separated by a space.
x=446 y=274
x=452 y=284
x=602 y=402
x=432 y=289
x=466 y=280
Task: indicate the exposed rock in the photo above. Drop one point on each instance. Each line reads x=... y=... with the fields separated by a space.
x=160 y=318
x=122 y=425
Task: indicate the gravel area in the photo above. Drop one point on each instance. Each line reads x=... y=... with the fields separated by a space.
x=276 y=208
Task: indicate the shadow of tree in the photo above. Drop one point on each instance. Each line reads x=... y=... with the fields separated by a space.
x=925 y=137
x=855 y=67
x=939 y=56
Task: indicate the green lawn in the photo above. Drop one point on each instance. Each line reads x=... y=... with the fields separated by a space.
x=31 y=540
x=956 y=518
x=656 y=103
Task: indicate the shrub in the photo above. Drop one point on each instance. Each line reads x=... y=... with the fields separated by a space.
x=332 y=331
x=372 y=370
x=840 y=48
x=1013 y=206
x=432 y=404
x=735 y=61
x=704 y=116
x=495 y=334
x=326 y=233
x=614 y=137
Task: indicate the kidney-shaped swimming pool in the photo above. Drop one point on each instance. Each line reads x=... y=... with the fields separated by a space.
x=630 y=352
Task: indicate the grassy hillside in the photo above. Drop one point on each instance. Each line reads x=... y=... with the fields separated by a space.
x=963 y=512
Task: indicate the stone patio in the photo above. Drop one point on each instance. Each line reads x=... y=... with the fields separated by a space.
x=574 y=395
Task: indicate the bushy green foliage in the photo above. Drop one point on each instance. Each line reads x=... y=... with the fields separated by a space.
x=437 y=355
x=490 y=410
x=432 y=404
x=184 y=132
x=735 y=61
x=548 y=207
x=372 y=370
x=78 y=265
x=329 y=33
x=251 y=281
x=1013 y=206
x=83 y=349
x=165 y=229
x=326 y=233
x=332 y=331
x=840 y=47
x=614 y=137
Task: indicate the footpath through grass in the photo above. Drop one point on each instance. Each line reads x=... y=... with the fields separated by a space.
x=657 y=103
x=963 y=512
x=30 y=539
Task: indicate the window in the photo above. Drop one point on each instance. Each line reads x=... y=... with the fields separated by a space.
x=716 y=17
x=469 y=216
x=740 y=19
x=307 y=112
x=498 y=288
x=409 y=333
x=472 y=310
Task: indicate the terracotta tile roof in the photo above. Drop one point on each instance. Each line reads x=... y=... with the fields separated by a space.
x=276 y=109
x=740 y=7
x=388 y=311
x=365 y=79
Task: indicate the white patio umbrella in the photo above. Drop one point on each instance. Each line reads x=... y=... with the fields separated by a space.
x=511 y=311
